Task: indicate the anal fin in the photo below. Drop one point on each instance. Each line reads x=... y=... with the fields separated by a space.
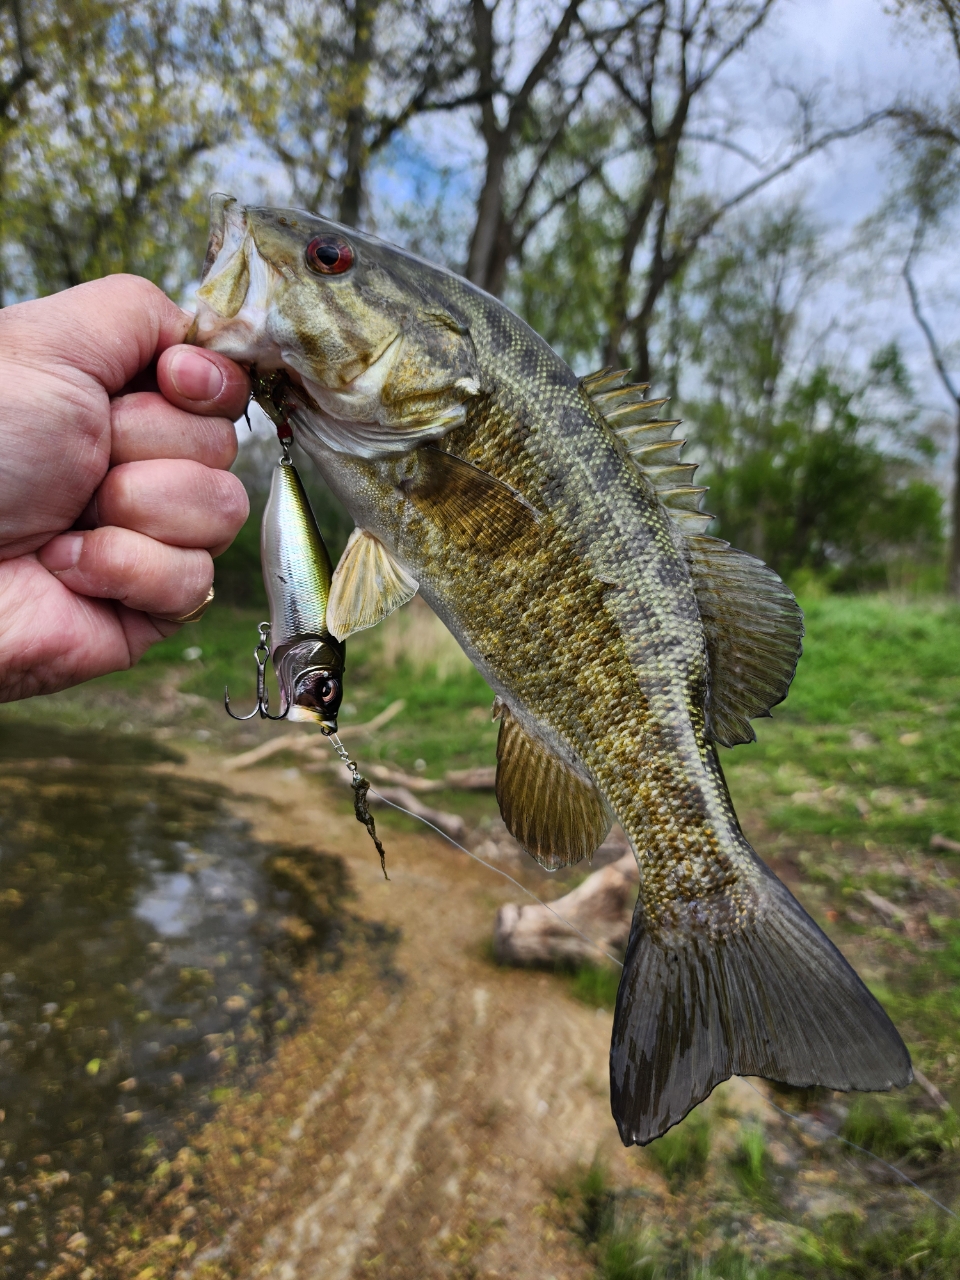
x=368 y=584
x=555 y=814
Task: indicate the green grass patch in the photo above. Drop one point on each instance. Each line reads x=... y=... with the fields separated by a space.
x=868 y=742
x=752 y=1167
x=596 y=985
x=927 y=1249
x=681 y=1154
x=888 y=1128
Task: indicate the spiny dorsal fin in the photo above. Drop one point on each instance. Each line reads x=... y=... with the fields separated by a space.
x=368 y=584
x=752 y=622
x=754 y=632
x=649 y=442
x=557 y=816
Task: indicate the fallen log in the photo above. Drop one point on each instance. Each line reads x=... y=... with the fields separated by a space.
x=296 y=741
x=601 y=907
x=303 y=740
x=450 y=824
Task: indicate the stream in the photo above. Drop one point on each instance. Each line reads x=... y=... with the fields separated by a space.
x=148 y=955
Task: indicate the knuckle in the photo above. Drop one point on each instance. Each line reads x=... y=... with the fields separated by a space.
x=230 y=497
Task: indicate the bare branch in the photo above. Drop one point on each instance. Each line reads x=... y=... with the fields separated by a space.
x=933 y=345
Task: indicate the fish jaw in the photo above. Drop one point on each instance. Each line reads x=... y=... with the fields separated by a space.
x=236 y=301
x=381 y=364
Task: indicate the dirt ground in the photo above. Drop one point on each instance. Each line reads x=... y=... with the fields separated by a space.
x=422 y=1133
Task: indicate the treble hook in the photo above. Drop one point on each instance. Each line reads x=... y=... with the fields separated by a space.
x=261 y=653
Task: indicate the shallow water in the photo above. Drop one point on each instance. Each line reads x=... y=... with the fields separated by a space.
x=147 y=960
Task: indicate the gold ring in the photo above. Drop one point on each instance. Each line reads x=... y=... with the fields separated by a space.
x=195 y=614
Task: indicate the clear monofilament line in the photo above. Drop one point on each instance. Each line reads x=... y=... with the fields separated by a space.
x=500 y=872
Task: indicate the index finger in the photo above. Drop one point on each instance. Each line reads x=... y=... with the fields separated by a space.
x=108 y=329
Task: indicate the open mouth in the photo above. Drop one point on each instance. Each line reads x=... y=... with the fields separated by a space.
x=237 y=292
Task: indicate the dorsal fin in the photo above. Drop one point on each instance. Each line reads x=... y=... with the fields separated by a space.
x=649 y=441
x=557 y=816
x=754 y=632
x=753 y=624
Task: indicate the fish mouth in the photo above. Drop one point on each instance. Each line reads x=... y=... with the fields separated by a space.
x=237 y=291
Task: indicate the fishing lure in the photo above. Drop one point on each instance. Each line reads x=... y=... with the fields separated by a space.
x=307 y=660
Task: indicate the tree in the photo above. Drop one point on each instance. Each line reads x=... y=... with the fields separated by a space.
x=102 y=174
x=626 y=226
x=326 y=85
x=16 y=64
x=811 y=468
x=921 y=211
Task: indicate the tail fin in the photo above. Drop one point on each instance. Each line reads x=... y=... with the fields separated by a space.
x=776 y=1000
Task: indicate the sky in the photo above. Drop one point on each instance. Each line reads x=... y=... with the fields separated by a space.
x=858 y=55
x=863 y=55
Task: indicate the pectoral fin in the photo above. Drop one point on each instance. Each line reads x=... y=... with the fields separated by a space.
x=557 y=816
x=474 y=508
x=368 y=584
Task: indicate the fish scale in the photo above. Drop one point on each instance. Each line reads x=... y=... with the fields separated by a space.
x=644 y=811
x=552 y=527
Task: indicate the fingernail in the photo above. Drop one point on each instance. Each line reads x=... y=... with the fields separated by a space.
x=194 y=376
x=61 y=553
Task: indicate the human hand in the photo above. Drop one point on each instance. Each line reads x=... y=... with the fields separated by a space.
x=114 y=491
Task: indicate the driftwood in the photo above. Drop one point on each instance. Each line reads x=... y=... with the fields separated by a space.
x=481 y=779
x=302 y=740
x=601 y=907
x=450 y=824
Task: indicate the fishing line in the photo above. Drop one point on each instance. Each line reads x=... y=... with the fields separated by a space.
x=500 y=872
x=596 y=946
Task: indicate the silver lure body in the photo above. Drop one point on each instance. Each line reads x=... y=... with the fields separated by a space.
x=307 y=659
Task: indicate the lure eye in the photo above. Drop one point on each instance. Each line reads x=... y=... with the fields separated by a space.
x=329 y=691
x=329 y=255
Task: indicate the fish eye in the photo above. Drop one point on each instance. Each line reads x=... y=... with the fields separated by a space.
x=329 y=255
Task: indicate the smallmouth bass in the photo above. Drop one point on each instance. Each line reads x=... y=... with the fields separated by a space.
x=549 y=522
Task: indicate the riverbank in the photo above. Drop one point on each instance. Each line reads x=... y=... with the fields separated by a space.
x=429 y=1113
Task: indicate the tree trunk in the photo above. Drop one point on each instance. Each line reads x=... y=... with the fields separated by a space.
x=351 y=193
x=482 y=259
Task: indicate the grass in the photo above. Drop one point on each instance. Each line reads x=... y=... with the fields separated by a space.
x=868 y=742
x=596 y=985
x=751 y=1167
x=844 y=788
x=681 y=1154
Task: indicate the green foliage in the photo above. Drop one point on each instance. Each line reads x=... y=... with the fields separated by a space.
x=751 y=1166
x=622 y=1250
x=630 y=1255
x=867 y=745
x=101 y=172
x=841 y=1248
x=681 y=1154
x=889 y=1129
x=595 y=985
x=820 y=471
